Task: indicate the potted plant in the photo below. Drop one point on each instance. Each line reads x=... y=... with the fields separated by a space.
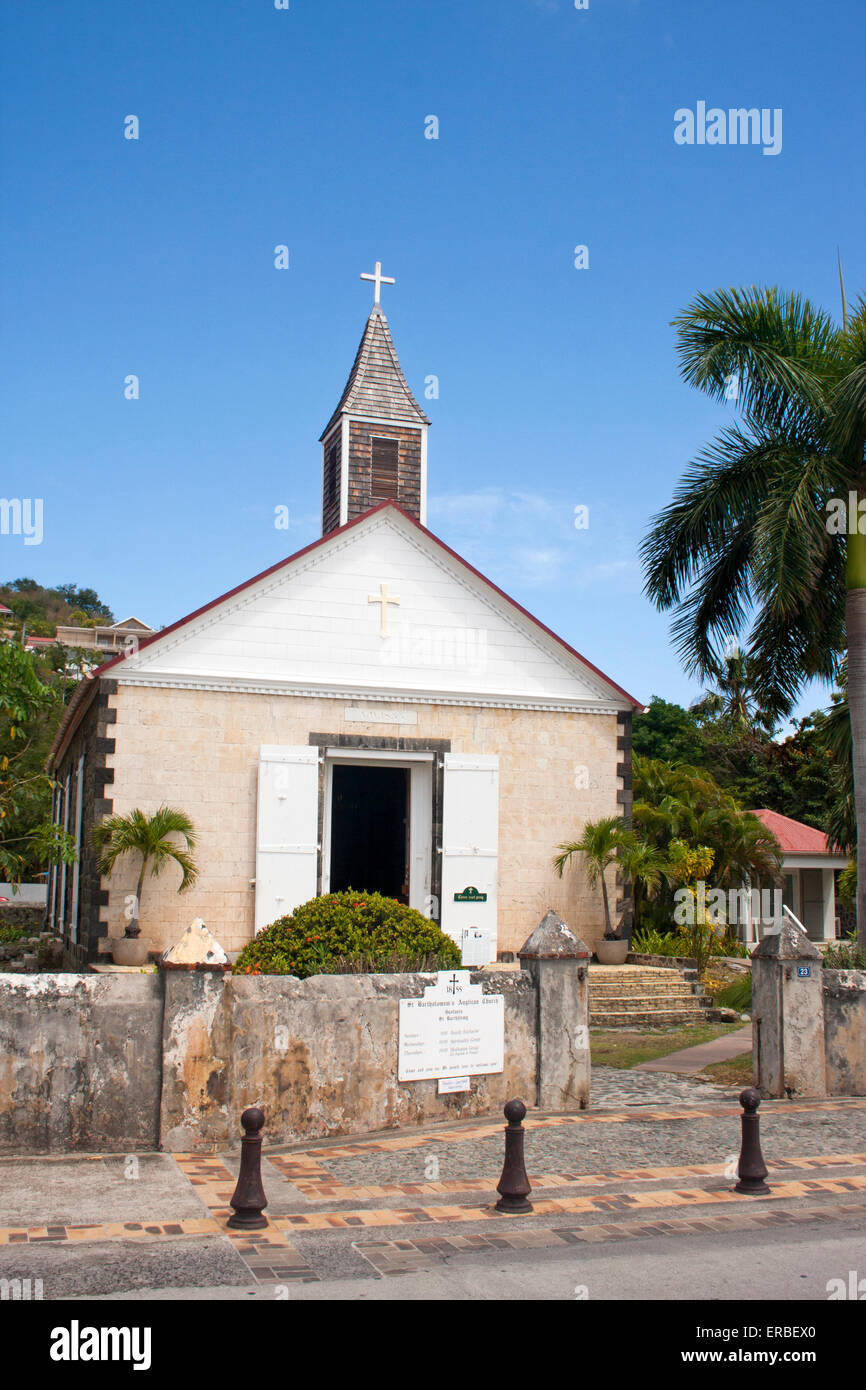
x=137 y=833
x=605 y=842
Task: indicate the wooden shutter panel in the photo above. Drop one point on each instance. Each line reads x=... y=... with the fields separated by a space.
x=385 y=458
x=470 y=842
x=286 y=843
x=331 y=477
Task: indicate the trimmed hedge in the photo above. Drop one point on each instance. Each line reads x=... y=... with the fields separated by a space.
x=348 y=933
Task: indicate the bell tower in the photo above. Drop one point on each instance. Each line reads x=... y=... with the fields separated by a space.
x=374 y=447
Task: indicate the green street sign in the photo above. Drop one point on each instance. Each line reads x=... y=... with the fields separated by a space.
x=470 y=895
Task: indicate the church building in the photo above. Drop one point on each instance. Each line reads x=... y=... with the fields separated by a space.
x=371 y=712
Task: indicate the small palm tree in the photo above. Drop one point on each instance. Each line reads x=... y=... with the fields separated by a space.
x=148 y=836
x=605 y=842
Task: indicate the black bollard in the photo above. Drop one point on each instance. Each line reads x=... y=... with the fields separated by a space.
x=751 y=1169
x=514 y=1184
x=248 y=1198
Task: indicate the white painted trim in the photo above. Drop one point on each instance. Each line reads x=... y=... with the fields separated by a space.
x=828 y=895
x=370 y=694
x=76 y=868
x=813 y=861
x=344 y=472
x=376 y=755
x=329 y=437
x=422 y=509
x=415 y=424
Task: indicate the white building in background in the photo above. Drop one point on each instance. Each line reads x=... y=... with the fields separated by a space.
x=809 y=866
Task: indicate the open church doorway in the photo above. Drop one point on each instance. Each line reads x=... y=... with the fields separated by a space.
x=378 y=830
x=370 y=830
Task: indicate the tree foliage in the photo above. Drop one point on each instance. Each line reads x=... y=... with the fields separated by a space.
x=29 y=709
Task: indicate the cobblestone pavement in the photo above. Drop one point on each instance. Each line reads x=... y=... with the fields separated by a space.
x=598 y=1147
x=616 y=1086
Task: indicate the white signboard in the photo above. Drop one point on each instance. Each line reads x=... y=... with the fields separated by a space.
x=455 y=1030
x=475 y=946
x=379 y=714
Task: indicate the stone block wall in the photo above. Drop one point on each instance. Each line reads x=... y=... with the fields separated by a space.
x=118 y=1063
x=809 y=1023
x=80 y=1061
x=207 y=744
x=845 y=1031
x=319 y=1056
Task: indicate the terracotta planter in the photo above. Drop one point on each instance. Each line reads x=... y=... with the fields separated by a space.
x=612 y=952
x=130 y=950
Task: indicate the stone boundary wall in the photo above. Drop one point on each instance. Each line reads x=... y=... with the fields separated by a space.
x=30 y=916
x=844 y=994
x=810 y=1023
x=318 y=1055
x=80 y=1061
x=118 y=1063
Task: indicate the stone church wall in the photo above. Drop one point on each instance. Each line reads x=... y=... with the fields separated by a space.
x=198 y=750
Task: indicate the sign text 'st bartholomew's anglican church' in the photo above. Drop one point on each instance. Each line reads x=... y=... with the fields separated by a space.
x=455 y=1030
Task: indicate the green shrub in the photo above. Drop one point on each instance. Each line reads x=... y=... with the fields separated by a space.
x=649 y=942
x=348 y=933
x=737 y=995
x=9 y=934
x=846 y=956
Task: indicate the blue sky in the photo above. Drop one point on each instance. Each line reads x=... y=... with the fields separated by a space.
x=306 y=127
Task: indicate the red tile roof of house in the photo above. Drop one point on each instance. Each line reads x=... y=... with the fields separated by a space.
x=794 y=836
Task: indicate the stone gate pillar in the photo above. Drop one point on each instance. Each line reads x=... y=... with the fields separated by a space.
x=788 y=1014
x=196 y=1045
x=558 y=962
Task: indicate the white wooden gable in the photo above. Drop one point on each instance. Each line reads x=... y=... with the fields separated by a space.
x=314 y=624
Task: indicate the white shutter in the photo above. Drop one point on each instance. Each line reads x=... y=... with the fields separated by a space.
x=470 y=842
x=286 y=838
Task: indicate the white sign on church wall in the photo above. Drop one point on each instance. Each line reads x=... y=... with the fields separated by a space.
x=379 y=714
x=455 y=1030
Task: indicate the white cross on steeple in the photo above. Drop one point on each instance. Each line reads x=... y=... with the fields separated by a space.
x=379 y=280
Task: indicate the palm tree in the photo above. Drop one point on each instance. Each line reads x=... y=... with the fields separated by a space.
x=835 y=736
x=148 y=836
x=733 y=699
x=685 y=805
x=748 y=544
x=605 y=842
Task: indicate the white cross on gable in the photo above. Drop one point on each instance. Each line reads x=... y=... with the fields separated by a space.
x=384 y=598
x=378 y=280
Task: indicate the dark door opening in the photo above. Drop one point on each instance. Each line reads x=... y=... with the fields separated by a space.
x=369 y=830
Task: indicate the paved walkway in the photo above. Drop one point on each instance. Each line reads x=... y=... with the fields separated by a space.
x=617 y=1086
x=694 y=1059
x=412 y=1200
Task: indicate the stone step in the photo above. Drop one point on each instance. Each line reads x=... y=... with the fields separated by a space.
x=642 y=1002
x=652 y=1018
x=606 y=988
x=622 y=971
x=661 y=978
